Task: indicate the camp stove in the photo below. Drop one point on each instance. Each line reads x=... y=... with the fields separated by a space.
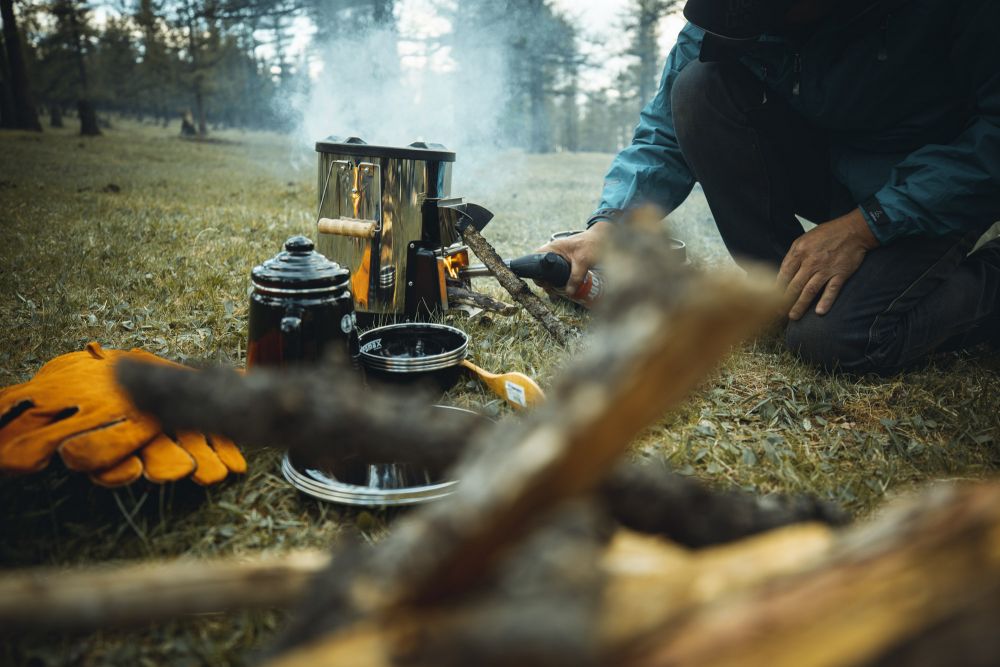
x=387 y=214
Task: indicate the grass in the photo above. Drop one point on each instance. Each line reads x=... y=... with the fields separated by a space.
x=162 y=260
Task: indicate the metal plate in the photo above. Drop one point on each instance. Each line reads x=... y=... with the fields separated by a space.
x=324 y=486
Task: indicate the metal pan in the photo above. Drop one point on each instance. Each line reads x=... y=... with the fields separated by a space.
x=363 y=484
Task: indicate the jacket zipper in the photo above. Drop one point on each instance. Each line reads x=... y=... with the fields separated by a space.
x=797 y=81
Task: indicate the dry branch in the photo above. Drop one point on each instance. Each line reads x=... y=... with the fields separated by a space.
x=517 y=288
x=121 y=596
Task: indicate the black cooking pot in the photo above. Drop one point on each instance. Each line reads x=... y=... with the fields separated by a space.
x=301 y=308
x=414 y=354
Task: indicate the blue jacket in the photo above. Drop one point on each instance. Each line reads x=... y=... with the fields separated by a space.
x=909 y=91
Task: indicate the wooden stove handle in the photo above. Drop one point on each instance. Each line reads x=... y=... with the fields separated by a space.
x=358 y=229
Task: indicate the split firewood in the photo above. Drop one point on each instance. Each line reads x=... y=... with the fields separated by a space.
x=131 y=595
x=892 y=592
x=460 y=296
x=517 y=288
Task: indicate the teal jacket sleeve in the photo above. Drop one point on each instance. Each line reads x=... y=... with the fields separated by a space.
x=652 y=170
x=953 y=188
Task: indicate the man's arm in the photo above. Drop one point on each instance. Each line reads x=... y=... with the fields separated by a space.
x=953 y=188
x=936 y=191
x=652 y=169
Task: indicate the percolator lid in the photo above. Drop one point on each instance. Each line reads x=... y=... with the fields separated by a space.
x=357 y=147
x=299 y=267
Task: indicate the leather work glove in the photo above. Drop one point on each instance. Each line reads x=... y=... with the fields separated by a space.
x=74 y=406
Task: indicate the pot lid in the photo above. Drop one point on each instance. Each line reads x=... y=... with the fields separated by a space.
x=357 y=147
x=299 y=267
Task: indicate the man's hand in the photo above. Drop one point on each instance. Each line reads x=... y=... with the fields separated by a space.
x=822 y=259
x=581 y=250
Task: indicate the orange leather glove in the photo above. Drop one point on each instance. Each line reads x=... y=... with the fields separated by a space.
x=75 y=407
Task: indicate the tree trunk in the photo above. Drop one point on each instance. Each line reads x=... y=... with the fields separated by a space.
x=22 y=103
x=55 y=115
x=199 y=107
x=85 y=109
x=88 y=118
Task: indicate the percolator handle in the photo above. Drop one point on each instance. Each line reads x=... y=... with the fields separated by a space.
x=358 y=229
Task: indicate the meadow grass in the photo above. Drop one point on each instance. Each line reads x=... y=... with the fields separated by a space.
x=141 y=239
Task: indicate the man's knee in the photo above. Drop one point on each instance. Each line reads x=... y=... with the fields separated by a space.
x=694 y=94
x=828 y=343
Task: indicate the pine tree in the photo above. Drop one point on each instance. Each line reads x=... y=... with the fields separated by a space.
x=21 y=112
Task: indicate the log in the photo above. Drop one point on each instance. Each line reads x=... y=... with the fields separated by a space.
x=335 y=418
x=648 y=580
x=133 y=595
x=651 y=347
x=883 y=588
x=49 y=598
x=651 y=499
x=920 y=585
x=517 y=288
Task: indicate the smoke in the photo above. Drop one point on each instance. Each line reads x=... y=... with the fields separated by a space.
x=389 y=88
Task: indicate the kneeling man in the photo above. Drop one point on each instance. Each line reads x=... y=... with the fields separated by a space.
x=879 y=120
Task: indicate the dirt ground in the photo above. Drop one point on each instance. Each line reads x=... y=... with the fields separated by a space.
x=141 y=239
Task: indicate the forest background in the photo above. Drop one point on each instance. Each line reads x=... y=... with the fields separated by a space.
x=527 y=74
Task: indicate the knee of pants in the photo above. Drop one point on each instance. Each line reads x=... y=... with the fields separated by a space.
x=695 y=98
x=825 y=342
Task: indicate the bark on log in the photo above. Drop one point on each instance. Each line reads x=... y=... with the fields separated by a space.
x=517 y=288
x=89 y=599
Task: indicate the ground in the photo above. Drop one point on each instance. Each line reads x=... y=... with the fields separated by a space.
x=141 y=239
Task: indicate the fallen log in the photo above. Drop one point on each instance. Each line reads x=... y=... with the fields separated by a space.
x=131 y=595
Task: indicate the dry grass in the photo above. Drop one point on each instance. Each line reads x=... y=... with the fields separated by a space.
x=163 y=264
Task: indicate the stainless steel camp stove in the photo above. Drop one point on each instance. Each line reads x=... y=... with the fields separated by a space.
x=387 y=214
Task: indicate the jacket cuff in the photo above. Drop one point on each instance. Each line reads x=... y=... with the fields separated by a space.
x=878 y=220
x=605 y=215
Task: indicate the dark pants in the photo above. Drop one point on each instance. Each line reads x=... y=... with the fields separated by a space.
x=760 y=164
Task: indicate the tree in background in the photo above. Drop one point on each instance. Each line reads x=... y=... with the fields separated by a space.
x=69 y=46
x=644 y=29
x=543 y=64
x=18 y=100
